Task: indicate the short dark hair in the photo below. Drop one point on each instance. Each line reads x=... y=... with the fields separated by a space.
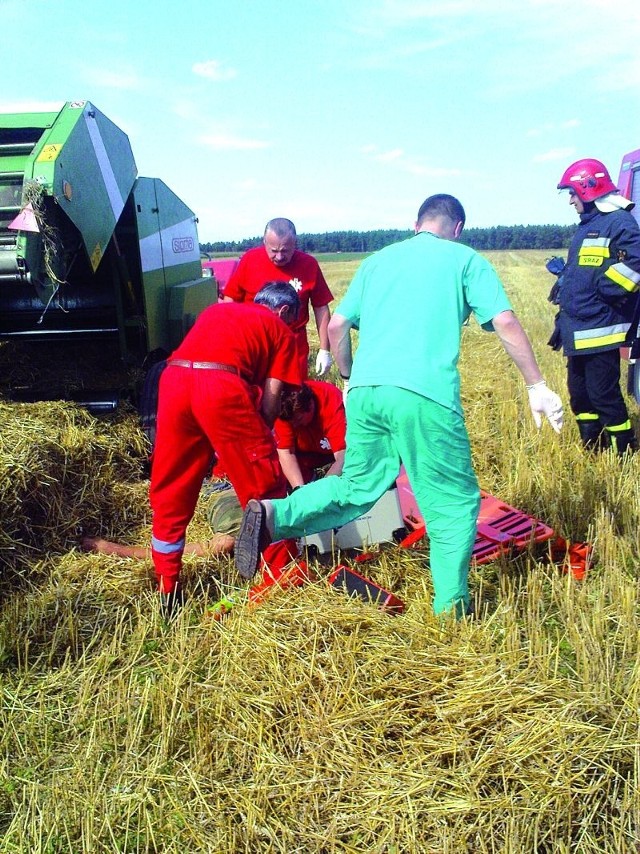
x=276 y=294
x=281 y=227
x=294 y=400
x=441 y=205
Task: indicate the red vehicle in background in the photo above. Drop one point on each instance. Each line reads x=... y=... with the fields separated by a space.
x=220 y=269
x=629 y=186
x=629 y=180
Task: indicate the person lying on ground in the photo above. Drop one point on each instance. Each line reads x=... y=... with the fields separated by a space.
x=218 y=544
x=223 y=512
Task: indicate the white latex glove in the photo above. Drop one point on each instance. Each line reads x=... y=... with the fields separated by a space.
x=345 y=389
x=543 y=401
x=323 y=362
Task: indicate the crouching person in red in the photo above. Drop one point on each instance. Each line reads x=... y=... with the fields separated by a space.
x=221 y=390
x=310 y=432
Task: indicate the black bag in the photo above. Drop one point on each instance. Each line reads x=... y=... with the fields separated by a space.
x=556 y=266
x=555 y=342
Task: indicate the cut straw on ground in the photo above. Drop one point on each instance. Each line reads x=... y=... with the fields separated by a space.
x=313 y=722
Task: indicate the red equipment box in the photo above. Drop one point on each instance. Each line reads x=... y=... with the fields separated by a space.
x=501 y=528
x=294 y=576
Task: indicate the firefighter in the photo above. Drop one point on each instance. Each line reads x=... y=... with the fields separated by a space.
x=409 y=302
x=597 y=298
x=221 y=389
x=279 y=258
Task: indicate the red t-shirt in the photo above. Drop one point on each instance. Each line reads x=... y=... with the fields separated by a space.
x=255 y=269
x=317 y=442
x=250 y=337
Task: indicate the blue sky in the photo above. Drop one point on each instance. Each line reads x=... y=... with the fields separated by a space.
x=342 y=115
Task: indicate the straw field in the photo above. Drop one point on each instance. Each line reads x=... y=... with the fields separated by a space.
x=316 y=723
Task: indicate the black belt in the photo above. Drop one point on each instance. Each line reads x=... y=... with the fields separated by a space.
x=205 y=366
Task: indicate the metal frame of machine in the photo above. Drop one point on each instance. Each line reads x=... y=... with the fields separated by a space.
x=87 y=249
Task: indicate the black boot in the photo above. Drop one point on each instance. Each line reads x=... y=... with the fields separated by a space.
x=593 y=435
x=623 y=441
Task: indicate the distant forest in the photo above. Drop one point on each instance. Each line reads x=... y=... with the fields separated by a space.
x=497 y=237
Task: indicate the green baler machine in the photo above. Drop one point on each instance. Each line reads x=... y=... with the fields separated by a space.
x=89 y=251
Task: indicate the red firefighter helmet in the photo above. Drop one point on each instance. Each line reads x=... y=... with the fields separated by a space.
x=588 y=179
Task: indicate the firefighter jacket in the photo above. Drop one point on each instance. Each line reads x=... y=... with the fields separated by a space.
x=600 y=282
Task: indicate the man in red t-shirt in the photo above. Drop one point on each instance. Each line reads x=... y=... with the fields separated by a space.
x=221 y=390
x=310 y=432
x=279 y=259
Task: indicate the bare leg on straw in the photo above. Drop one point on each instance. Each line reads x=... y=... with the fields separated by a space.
x=218 y=544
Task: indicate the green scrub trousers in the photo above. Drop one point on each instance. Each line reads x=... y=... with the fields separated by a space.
x=387 y=426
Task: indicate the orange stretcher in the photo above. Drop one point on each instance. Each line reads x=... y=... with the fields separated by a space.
x=501 y=528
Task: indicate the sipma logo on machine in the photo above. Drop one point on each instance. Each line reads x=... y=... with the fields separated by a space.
x=182 y=244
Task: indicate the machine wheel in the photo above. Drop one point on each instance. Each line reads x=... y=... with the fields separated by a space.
x=148 y=405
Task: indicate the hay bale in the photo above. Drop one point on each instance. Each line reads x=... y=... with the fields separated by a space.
x=63 y=470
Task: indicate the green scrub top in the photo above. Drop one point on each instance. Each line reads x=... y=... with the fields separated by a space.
x=409 y=302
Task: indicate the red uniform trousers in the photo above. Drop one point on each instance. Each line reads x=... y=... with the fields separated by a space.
x=200 y=410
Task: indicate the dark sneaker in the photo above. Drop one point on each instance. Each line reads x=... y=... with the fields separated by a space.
x=252 y=539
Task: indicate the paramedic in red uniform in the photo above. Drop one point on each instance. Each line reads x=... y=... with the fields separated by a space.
x=279 y=258
x=221 y=390
x=310 y=432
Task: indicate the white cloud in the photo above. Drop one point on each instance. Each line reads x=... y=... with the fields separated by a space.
x=229 y=141
x=247 y=185
x=553 y=128
x=432 y=171
x=390 y=15
x=398 y=158
x=570 y=17
x=372 y=152
x=213 y=69
x=534 y=45
x=388 y=156
x=554 y=154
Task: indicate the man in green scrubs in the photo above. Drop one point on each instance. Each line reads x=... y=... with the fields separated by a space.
x=409 y=302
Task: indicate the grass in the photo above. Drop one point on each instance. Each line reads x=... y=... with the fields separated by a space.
x=314 y=723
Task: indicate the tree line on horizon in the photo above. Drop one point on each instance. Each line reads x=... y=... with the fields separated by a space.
x=496 y=237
